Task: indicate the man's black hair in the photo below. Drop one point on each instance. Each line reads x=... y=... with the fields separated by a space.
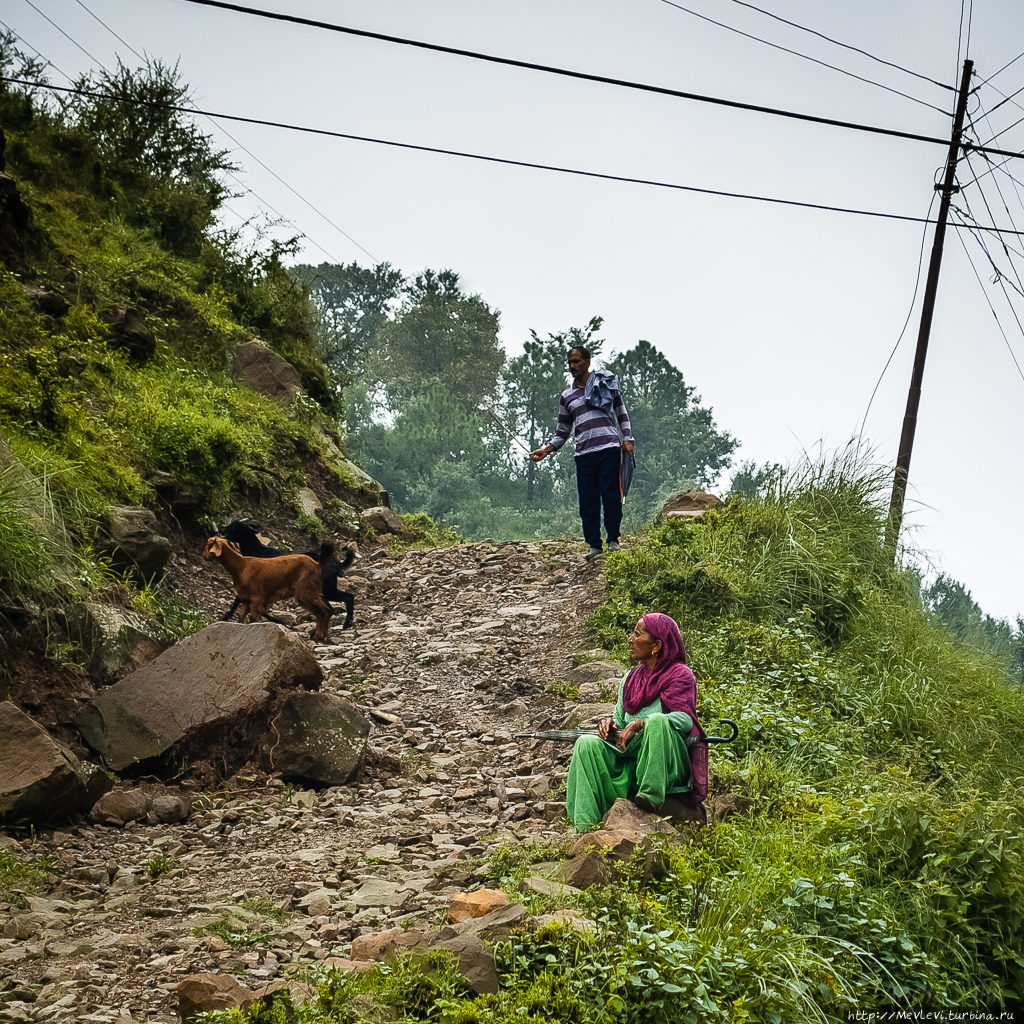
x=583 y=351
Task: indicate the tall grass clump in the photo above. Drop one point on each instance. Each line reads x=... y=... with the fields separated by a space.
x=885 y=759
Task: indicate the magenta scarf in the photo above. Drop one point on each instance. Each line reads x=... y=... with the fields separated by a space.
x=671 y=680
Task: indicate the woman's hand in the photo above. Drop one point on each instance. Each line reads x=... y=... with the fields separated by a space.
x=604 y=727
x=625 y=735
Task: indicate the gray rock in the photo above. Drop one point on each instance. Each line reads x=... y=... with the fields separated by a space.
x=263 y=370
x=381 y=520
x=133 y=542
x=309 y=503
x=691 y=505
x=586 y=715
x=48 y=303
x=225 y=675
x=119 y=806
x=41 y=780
x=115 y=638
x=595 y=672
x=317 y=738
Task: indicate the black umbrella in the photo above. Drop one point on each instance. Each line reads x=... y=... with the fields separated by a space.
x=626 y=466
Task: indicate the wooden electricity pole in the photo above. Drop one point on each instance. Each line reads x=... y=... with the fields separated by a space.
x=947 y=188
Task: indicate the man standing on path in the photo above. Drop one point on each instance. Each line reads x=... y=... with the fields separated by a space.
x=597 y=452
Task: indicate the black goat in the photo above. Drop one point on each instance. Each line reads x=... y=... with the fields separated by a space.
x=244 y=537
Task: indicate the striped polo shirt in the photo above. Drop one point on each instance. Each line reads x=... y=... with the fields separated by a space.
x=595 y=429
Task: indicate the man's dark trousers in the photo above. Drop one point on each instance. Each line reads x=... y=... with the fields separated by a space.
x=597 y=480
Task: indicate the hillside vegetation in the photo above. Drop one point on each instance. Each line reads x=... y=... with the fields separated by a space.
x=111 y=204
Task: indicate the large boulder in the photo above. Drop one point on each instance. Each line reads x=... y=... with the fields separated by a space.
x=263 y=370
x=154 y=806
x=40 y=779
x=202 y=993
x=474 y=959
x=317 y=738
x=226 y=680
x=478 y=903
x=381 y=520
x=691 y=505
x=115 y=639
x=133 y=542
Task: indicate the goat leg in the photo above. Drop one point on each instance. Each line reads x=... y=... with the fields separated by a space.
x=350 y=608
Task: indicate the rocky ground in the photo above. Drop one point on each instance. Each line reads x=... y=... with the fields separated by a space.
x=453 y=652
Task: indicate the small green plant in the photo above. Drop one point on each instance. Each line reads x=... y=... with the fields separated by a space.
x=263 y=907
x=564 y=689
x=234 y=936
x=160 y=865
x=313 y=526
x=512 y=860
x=288 y=793
x=20 y=878
x=425 y=533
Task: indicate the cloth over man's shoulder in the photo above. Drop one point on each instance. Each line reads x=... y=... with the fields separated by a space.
x=601 y=390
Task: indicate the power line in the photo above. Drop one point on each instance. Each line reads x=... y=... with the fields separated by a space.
x=1007 y=99
x=1019 y=286
x=838 y=42
x=566 y=73
x=252 y=155
x=995 y=316
x=510 y=162
x=300 y=196
x=110 y=30
x=797 y=53
x=1005 y=66
x=70 y=39
x=46 y=60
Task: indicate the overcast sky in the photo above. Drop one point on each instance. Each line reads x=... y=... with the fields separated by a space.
x=783 y=318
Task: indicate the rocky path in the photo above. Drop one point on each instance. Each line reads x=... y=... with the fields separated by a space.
x=453 y=652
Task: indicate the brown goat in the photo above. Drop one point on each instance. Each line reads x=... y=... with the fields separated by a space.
x=261 y=581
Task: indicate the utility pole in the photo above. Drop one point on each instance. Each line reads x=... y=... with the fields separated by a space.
x=947 y=188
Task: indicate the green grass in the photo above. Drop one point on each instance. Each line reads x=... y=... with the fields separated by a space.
x=20 y=878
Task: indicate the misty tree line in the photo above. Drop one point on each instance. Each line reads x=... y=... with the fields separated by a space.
x=438 y=412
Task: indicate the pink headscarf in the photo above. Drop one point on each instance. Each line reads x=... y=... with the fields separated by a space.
x=670 y=679
x=676 y=686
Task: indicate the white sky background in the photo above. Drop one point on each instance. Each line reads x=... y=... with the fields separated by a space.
x=782 y=318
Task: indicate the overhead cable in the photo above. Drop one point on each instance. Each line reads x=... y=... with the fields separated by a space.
x=992 y=309
x=503 y=160
x=252 y=155
x=838 y=42
x=797 y=53
x=110 y=30
x=566 y=73
x=45 y=60
x=70 y=39
x=1007 y=99
x=1005 y=66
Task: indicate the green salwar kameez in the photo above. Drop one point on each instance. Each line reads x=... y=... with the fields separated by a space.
x=656 y=762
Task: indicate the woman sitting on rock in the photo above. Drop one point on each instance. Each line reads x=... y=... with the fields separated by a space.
x=640 y=753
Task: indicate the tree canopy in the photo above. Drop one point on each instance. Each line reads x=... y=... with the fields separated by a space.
x=445 y=420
